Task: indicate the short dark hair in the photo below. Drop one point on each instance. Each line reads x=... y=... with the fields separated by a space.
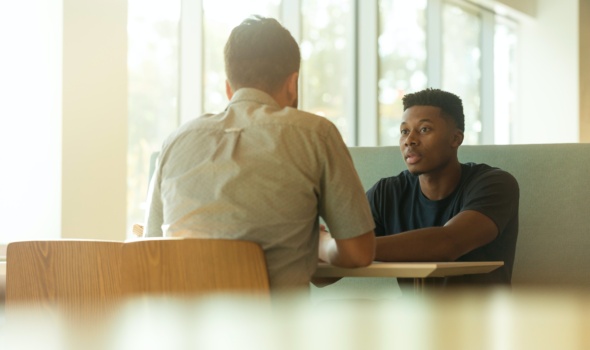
x=449 y=103
x=260 y=53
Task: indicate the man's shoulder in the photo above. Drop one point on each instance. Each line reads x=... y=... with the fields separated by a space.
x=188 y=126
x=484 y=169
x=299 y=118
x=481 y=172
x=401 y=181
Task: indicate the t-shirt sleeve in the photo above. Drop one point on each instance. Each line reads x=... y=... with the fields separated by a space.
x=375 y=198
x=342 y=201
x=495 y=194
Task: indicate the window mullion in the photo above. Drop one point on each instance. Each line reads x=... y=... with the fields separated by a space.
x=367 y=73
x=434 y=43
x=191 y=66
x=291 y=17
x=487 y=78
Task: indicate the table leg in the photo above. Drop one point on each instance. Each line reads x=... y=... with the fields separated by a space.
x=419 y=285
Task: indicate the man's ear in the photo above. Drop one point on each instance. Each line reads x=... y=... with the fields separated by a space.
x=292 y=88
x=458 y=137
x=229 y=92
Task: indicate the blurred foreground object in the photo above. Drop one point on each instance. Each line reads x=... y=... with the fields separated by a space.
x=469 y=319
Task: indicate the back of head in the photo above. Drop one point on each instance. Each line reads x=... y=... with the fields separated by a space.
x=260 y=53
x=449 y=103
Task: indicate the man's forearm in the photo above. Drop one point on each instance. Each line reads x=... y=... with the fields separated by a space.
x=466 y=231
x=354 y=252
x=427 y=244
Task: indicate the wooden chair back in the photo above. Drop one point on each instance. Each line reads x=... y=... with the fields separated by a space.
x=192 y=267
x=80 y=277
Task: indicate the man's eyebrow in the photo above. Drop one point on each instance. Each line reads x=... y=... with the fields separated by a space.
x=419 y=121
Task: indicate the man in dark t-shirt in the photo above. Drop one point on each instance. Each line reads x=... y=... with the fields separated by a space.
x=440 y=209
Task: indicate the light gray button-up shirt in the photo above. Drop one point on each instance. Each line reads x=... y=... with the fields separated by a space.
x=261 y=173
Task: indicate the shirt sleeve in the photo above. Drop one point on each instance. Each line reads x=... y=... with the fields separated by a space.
x=154 y=213
x=375 y=196
x=342 y=201
x=495 y=194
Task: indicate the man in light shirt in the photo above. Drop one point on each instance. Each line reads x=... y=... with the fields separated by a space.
x=262 y=170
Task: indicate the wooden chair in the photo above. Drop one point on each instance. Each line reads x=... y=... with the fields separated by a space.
x=193 y=267
x=76 y=277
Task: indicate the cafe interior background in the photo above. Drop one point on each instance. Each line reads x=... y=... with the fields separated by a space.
x=90 y=88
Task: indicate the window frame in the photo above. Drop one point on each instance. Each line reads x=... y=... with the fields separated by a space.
x=363 y=108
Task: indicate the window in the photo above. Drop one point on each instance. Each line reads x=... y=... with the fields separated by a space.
x=359 y=57
x=505 y=40
x=402 y=61
x=154 y=63
x=153 y=68
x=461 y=72
x=327 y=67
x=218 y=23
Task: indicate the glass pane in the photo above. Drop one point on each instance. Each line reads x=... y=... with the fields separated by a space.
x=218 y=23
x=402 y=61
x=327 y=60
x=153 y=91
x=461 y=72
x=505 y=41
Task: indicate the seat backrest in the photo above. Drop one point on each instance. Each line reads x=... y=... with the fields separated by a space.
x=79 y=277
x=191 y=267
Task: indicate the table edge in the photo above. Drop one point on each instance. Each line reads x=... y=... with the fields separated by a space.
x=410 y=269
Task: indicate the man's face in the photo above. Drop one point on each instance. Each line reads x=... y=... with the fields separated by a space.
x=428 y=140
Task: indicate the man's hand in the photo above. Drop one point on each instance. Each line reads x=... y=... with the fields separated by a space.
x=324 y=281
x=325 y=238
x=138 y=230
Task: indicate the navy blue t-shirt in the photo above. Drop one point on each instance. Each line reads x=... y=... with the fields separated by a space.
x=398 y=205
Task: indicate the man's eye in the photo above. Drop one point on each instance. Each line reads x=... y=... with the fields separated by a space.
x=404 y=132
x=424 y=129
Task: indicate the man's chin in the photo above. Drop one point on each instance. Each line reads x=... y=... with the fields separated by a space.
x=415 y=171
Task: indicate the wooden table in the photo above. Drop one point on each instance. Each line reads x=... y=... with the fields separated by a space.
x=419 y=271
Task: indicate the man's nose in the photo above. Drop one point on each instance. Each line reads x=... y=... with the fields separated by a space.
x=411 y=139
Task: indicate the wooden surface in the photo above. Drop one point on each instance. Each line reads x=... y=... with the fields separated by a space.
x=193 y=266
x=409 y=270
x=72 y=275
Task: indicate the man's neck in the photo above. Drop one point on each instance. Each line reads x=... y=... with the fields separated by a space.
x=441 y=183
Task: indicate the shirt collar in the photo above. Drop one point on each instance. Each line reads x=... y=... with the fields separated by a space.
x=253 y=95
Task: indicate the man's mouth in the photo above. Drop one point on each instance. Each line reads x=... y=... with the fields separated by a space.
x=412 y=158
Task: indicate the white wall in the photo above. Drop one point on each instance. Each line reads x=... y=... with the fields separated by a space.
x=549 y=74
x=94 y=119
x=30 y=119
x=63 y=126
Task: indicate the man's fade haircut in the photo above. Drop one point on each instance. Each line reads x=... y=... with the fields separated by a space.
x=260 y=53
x=449 y=103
